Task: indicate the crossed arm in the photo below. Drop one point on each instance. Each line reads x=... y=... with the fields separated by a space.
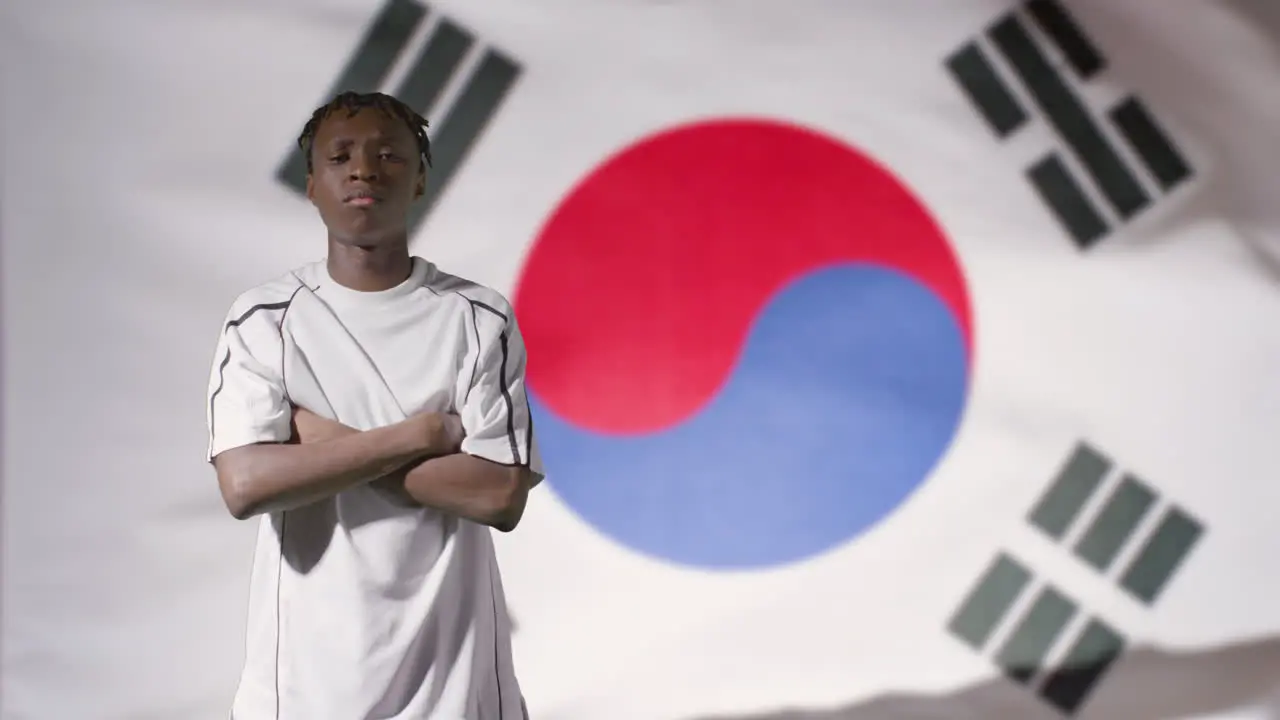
x=421 y=454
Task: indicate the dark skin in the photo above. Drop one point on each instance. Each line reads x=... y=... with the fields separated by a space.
x=366 y=175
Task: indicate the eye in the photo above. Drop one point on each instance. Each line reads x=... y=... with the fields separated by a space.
x=388 y=155
x=339 y=158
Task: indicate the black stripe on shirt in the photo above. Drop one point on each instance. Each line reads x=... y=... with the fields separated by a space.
x=528 y=432
x=482 y=306
x=502 y=376
x=511 y=409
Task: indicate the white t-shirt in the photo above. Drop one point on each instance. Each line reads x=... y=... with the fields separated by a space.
x=363 y=605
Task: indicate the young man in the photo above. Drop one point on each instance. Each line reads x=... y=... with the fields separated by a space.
x=372 y=409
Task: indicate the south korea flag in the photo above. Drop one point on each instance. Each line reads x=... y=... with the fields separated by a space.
x=885 y=363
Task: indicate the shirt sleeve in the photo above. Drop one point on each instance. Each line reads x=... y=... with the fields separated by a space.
x=495 y=412
x=247 y=399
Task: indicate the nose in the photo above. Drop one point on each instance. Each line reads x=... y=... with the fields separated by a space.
x=363 y=167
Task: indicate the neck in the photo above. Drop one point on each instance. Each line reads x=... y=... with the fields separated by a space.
x=371 y=268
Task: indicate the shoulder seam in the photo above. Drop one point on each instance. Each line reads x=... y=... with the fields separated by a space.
x=469 y=285
x=280 y=328
x=483 y=306
x=282 y=305
x=272 y=294
x=474 y=303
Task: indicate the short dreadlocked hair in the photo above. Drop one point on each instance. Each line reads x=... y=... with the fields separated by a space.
x=353 y=103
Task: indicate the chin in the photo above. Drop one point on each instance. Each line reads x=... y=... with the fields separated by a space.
x=368 y=238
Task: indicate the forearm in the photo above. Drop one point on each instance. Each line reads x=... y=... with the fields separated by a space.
x=267 y=478
x=443 y=479
x=472 y=488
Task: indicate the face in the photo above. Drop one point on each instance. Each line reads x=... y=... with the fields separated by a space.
x=366 y=172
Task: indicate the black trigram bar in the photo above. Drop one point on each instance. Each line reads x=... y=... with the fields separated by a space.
x=1166 y=549
x=1069 y=117
x=1093 y=653
x=1150 y=143
x=988 y=93
x=989 y=601
x=1058 y=25
x=1022 y=655
x=1067 y=200
x=436 y=63
x=1063 y=502
x=1115 y=523
x=1024 y=652
x=365 y=70
x=471 y=112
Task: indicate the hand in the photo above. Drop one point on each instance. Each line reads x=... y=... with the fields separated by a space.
x=440 y=433
x=311 y=428
x=452 y=433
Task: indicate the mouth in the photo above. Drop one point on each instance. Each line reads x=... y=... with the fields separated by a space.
x=362 y=199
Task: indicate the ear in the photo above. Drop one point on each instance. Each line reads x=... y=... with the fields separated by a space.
x=420 y=187
x=311 y=187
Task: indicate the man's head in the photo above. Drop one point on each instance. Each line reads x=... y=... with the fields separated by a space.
x=367 y=155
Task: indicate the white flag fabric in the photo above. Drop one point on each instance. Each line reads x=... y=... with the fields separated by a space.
x=888 y=360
